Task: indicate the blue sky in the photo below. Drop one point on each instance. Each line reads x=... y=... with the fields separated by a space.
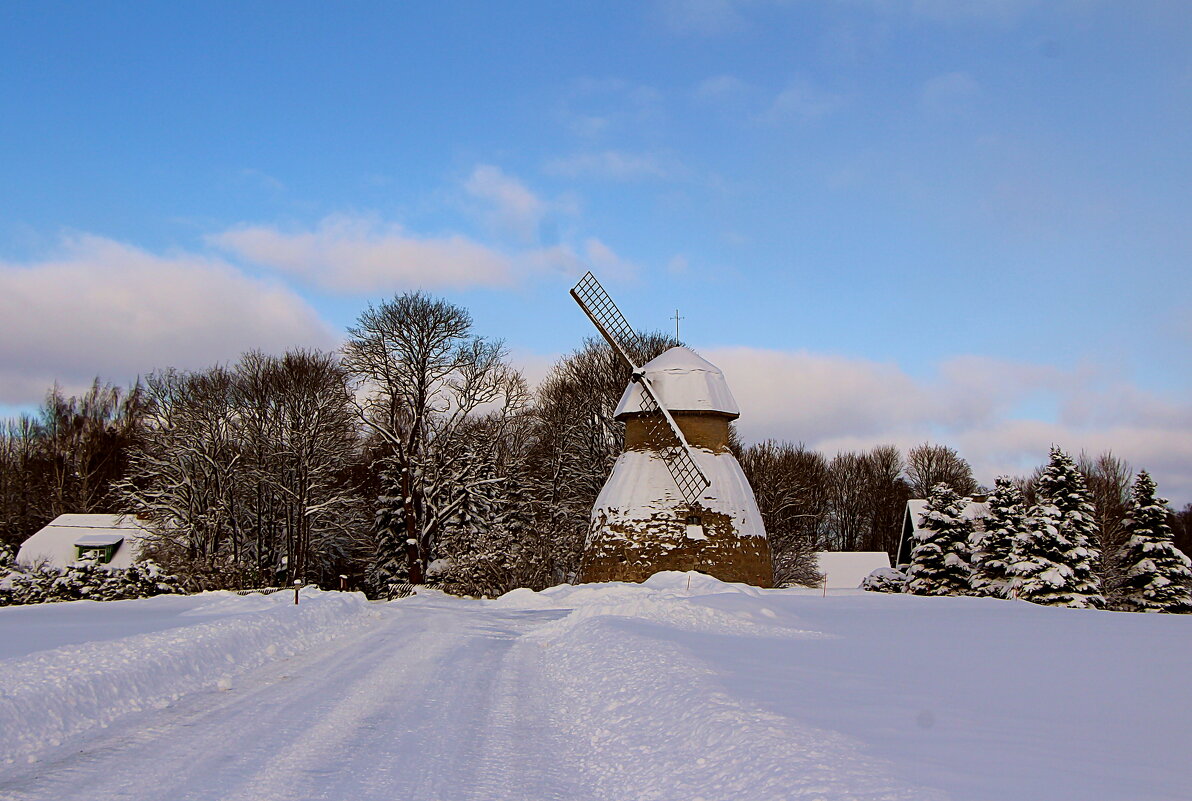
x=887 y=220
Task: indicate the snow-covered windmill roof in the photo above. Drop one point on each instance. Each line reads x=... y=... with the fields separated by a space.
x=56 y=542
x=685 y=382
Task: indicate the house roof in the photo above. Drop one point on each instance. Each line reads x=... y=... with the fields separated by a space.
x=846 y=569
x=912 y=521
x=916 y=506
x=684 y=382
x=56 y=542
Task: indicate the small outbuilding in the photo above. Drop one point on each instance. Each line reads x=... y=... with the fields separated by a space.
x=975 y=508
x=845 y=570
x=114 y=539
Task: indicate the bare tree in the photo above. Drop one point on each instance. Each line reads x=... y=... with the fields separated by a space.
x=790 y=484
x=423 y=375
x=928 y=465
x=245 y=473
x=849 y=502
x=888 y=494
x=1109 y=480
x=182 y=480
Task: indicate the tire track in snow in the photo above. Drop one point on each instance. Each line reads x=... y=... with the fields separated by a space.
x=425 y=705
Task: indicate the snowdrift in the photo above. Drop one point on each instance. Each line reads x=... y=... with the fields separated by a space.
x=50 y=695
x=683 y=687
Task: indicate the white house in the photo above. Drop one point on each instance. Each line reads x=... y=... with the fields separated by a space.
x=846 y=569
x=115 y=539
x=975 y=508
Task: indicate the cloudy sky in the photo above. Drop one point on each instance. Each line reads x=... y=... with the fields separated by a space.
x=886 y=220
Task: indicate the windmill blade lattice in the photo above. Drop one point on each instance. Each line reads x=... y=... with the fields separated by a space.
x=661 y=427
x=607 y=318
x=676 y=454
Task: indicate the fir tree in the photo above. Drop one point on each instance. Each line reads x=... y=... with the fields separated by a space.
x=390 y=566
x=1039 y=570
x=1062 y=485
x=940 y=557
x=994 y=547
x=1158 y=578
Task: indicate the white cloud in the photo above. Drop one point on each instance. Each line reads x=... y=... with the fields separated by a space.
x=801 y=101
x=107 y=308
x=511 y=205
x=1002 y=11
x=361 y=254
x=720 y=88
x=701 y=17
x=611 y=164
x=950 y=93
x=596 y=108
x=985 y=408
x=593 y=255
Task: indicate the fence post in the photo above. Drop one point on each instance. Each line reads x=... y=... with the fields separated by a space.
x=297 y=586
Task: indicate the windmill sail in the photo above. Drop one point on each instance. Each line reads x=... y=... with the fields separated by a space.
x=612 y=325
x=690 y=480
x=607 y=318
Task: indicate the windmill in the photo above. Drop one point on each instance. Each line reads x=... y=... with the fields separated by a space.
x=676 y=498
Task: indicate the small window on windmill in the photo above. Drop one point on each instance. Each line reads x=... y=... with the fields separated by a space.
x=695 y=527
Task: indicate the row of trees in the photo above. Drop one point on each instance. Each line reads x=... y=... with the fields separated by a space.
x=418 y=453
x=1048 y=551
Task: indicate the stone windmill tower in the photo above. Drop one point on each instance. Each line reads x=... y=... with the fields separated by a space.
x=676 y=498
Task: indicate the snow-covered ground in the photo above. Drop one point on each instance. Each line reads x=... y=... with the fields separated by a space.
x=682 y=688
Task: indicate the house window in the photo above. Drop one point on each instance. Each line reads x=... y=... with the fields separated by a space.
x=103 y=553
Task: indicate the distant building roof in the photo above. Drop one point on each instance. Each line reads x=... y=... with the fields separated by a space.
x=57 y=542
x=685 y=382
x=974 y=509
x=846 y=569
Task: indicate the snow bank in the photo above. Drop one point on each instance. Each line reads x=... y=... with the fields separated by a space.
x=655 y=720
x=48 y=696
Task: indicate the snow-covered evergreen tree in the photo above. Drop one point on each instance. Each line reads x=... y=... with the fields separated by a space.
x=1039 y=570
x=7 y=559
x=940 y=557
x=994 y=545
x=391 y=564
x=1158 y=578
x=1062 y=485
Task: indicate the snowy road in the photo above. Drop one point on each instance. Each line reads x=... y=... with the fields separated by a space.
x=424 y=706
x=663 y=692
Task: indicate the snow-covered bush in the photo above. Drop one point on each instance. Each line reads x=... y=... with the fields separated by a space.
x=83 y=580
x=993 y=545
x=885 y=579
x=940 y=557
x=1157 y=578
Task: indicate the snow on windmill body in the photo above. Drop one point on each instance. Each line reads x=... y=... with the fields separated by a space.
x=677 y=498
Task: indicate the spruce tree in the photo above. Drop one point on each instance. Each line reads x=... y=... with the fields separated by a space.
x=390 y=566
x=1158 y=578
x=994 y=547
x=940 y=556
x=1039 y=569
x=1062 y=486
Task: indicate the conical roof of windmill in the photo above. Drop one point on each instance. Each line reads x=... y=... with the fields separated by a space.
x=684 y=382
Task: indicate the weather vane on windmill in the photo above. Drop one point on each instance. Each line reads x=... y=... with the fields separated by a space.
x=677 y=498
